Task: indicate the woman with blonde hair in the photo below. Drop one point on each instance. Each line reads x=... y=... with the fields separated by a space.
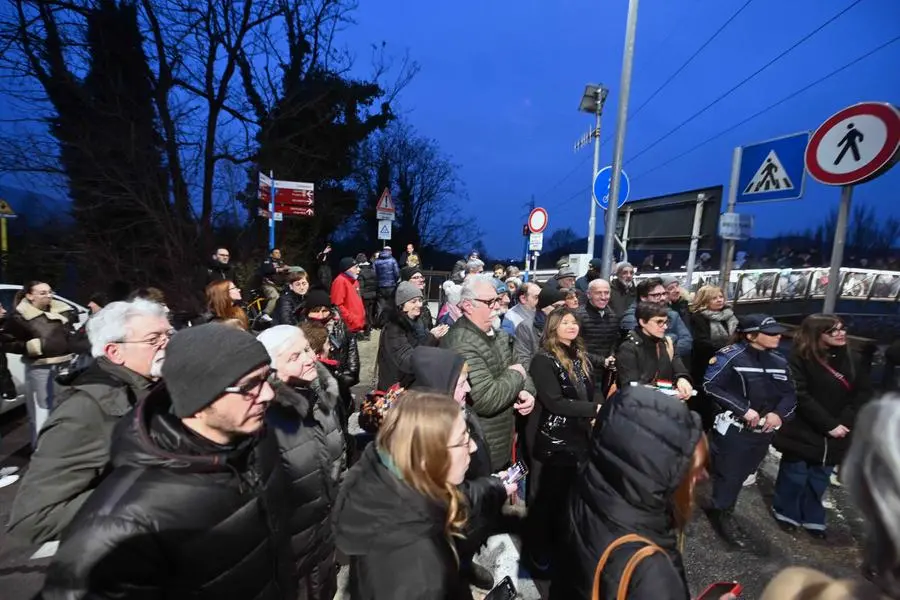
x=223 y=299
x=713 y=326
x=399 y=507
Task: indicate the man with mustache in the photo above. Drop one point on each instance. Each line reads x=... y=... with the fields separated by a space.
x=128 y=341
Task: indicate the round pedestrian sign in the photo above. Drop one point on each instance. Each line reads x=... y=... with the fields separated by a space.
x=602 y=182
x=855 y=144
x=537 y=220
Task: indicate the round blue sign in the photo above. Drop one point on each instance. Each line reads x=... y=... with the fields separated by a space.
x=601 y=187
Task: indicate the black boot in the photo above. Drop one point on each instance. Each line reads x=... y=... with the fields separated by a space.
x=724 y=524
x=478 y=576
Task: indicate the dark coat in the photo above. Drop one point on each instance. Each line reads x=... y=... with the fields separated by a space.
x=601 y=335
x=46 y=334
x=368 y=281
x=620 y=297
x=387 y=271
x=396 y=348
x=305 y=422
x=641 y=449
x=287 y=308
x=823 y=404
x=646 y=360
x=394 y=537
x=72 y=455
x=179 y=517
x=216 y=271
x=345 y=350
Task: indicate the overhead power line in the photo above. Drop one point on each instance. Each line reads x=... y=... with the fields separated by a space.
x=662 y=86
x=770 y=107
x=724 y=95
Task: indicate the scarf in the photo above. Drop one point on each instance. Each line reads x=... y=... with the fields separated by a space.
x=722 y=325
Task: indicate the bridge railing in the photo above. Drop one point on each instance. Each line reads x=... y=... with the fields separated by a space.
x=767 y=285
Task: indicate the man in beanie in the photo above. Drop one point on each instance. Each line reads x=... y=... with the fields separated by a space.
x=346 y=297
x=595 y=268
x=196 y=503
x=402 y=333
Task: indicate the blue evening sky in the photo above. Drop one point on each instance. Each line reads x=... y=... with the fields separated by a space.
x=501 y=80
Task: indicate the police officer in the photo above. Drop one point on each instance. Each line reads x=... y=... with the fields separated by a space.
x=751 y=383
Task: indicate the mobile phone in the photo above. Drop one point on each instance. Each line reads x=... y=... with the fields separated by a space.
x=505 y=590
x=515 y=472
x=717 y=590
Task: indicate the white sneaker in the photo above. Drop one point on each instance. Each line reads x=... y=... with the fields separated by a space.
x=8 y=480
x=750 y=480
x=6 y=471
x=835 y=479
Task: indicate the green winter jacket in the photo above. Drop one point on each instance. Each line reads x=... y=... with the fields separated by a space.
x=495 y=387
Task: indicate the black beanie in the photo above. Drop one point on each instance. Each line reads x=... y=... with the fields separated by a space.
x=316 y=298
x=202 y=361
x=549 y=297
x=406 y=273
x=346 y=263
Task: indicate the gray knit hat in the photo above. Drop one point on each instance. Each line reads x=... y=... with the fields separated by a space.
x=406 y=291
x=202 y=361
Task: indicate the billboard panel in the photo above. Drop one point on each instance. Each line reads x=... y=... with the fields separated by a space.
x=666 y=222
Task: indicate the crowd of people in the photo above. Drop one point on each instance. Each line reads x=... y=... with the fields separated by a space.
x=224 y=458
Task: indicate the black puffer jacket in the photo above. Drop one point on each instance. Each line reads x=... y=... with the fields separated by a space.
x=345 y=351
x=310 y=438
x=394 y=537
x=216 y=271
x=823 y=403
x=600 y=332
x=396 y=347
x=178 y=517
x=641 y=450
x=368 y=281
x=645 y=360
x=287 y=308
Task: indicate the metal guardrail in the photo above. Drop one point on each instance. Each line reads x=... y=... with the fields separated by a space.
x=767 y=285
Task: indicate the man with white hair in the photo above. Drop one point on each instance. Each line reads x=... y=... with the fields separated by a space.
x=499 y=387
x=128 y=341
x=622 y=290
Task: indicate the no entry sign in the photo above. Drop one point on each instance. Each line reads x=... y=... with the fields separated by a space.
x=855 y=144
x=537 y=220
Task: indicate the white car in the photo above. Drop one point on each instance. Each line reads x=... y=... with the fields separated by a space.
x=14 y=361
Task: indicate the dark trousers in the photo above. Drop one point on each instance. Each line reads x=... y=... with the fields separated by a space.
x=798 y=494
x=548 y=495
x=384 y=303
x=370 y=304
x=735 y=456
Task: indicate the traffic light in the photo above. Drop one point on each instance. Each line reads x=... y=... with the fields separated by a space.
x=525 y=231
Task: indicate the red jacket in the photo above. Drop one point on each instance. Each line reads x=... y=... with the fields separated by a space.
x=345 y=295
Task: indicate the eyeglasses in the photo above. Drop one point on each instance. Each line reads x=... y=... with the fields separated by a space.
x=155 y=340
x=656 y=295
x=253 y=388
x=465 y=443
x=417 y=277
x=660 y=322
x=836 y=330
x=493 y=302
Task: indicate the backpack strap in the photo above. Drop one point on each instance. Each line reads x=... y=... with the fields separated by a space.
x=635 y=560
x=601 y=564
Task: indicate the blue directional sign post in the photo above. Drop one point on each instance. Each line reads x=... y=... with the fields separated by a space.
x=773 y=170
x=601 y=187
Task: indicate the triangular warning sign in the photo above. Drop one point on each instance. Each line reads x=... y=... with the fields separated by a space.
x=769 y=177
x=5 y=208
x=385 y=203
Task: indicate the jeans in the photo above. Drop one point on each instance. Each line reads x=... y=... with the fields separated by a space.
x=798 y=494
x=41 y=389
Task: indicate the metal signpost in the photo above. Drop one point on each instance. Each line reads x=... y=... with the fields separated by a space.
x=592 y=102
x=281 y=197
x=854 y=145
x=385 y=212
x=766 y=171
x=6 y=212
x=538 y=220
x=612 y=214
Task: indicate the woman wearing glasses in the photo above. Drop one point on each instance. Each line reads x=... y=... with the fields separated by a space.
x=305 y=419
x=399 y=508
x=223 y=300
x=647 y=356
x=832 y=385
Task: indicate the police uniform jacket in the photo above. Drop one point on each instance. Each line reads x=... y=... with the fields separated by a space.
x=740 y=377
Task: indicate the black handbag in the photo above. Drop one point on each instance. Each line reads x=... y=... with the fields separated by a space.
x=560 y=439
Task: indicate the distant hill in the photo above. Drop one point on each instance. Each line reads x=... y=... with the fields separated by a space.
x=35 y=208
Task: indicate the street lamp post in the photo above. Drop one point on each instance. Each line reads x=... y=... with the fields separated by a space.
x=592 y=102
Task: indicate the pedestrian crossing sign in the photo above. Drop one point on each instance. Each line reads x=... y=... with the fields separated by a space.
x=773 y=170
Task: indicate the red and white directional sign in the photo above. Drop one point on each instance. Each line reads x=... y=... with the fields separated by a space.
x=295 y=211
x=537 y=220
x=855 y=144
x=294 y=192
x=384 y=209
